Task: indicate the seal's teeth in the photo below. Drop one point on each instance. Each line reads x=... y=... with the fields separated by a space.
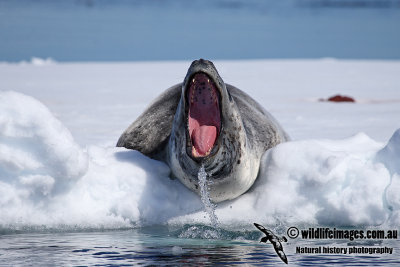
x=193 y=81
x=194 y=152
x=208 y=80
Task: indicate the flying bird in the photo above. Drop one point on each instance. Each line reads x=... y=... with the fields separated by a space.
x=275 y=241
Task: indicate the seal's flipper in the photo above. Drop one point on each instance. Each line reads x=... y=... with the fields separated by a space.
x=150 y=132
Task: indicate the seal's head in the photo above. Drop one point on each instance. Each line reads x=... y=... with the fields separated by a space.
x=208 y=130
x=204 y=95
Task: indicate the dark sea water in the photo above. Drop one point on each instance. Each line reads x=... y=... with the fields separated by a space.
x=160 y=245
x=126 y=30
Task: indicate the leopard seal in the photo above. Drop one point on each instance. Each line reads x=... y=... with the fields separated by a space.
x=204 y=121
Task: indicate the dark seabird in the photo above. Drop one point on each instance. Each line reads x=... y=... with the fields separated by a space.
x=275 y=241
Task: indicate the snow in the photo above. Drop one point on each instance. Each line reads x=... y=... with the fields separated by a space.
x=36 y=149
x=59 y=125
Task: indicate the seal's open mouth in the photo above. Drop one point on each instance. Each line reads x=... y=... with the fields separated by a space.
x=204 y=118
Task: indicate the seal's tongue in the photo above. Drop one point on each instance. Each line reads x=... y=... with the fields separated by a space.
x=204 y=114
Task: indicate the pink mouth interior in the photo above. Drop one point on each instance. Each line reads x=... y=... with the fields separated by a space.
x=204 y=114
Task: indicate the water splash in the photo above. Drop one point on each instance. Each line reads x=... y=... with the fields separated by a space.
x=205 y=196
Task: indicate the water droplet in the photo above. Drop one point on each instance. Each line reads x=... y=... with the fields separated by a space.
x=205 y=196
